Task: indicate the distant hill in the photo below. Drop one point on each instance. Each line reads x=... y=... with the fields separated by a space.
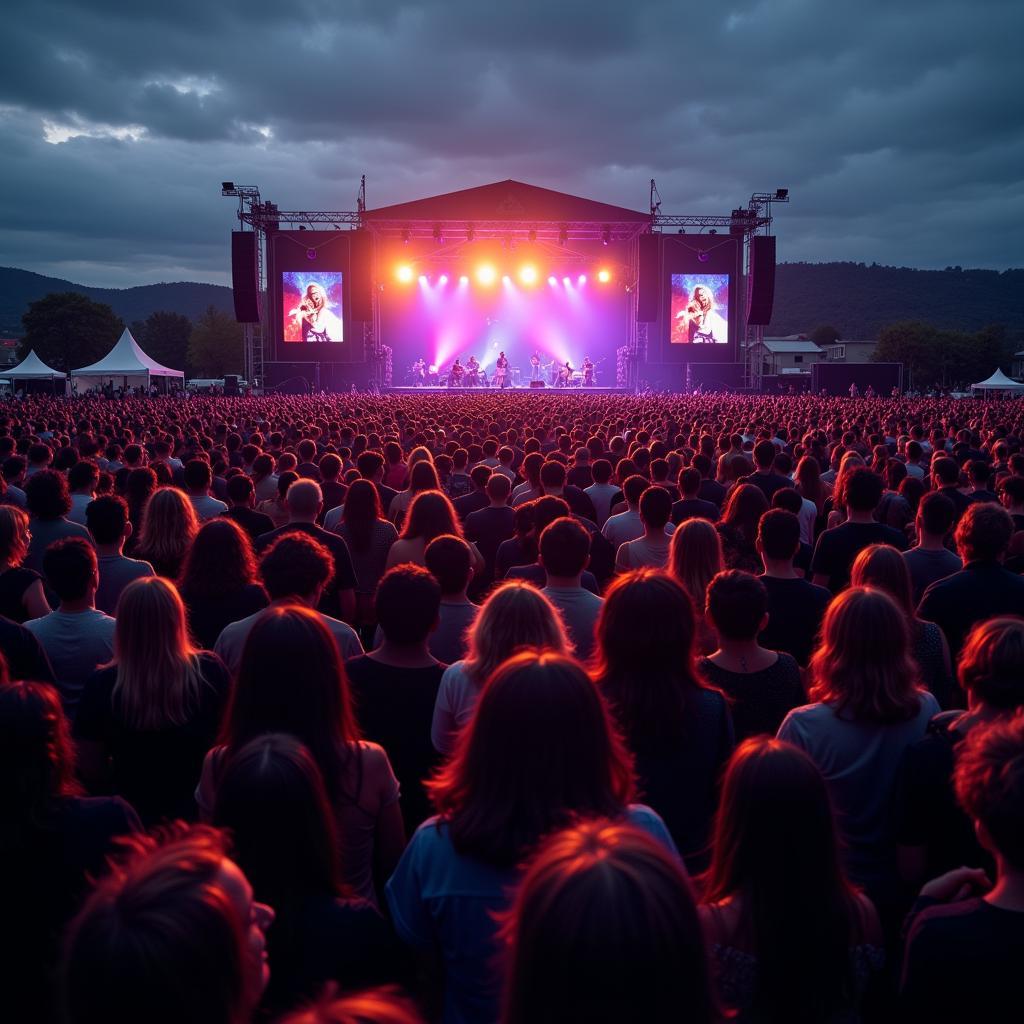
x=856 y=299
x=18 y=288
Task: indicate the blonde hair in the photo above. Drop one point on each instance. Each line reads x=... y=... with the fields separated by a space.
x=158 y=677
x=14 y=536
x=695 y=558
x=169 y=525
x=514 y=616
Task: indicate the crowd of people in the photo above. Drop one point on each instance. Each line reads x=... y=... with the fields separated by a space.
x=470 y=708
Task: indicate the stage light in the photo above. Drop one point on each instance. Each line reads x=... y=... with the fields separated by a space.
x=432 y=368
x=505 y=279
x=552 y=281
x=713 y=231
x=782 y=193
x=528 y=274
x=566 y=282
x=443 y=279
x=404 y=273
x=486 y=274
x=227 y=186
x=463 y=280
x=582 y=279
x=604 y=276
x=423 y=279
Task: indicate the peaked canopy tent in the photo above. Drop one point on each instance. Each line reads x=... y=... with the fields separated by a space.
x=126 y=363
x=999 y=382
x=32 y=368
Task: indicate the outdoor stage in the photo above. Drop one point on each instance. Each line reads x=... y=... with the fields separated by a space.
x=506 y=391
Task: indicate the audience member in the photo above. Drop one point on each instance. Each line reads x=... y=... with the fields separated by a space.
x=695 y=558
x=564 y=554
x=450 y=562
x=48 y=502
x=169 y=525
x=650 y=550
x=930 y=560
x=241 y=496
x=109 y=527
x=691 y=505
x=738 y=527
x=198 y=478
x=21 y=589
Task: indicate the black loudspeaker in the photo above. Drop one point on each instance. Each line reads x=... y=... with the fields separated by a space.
x=245 y=284
x=648 y=298
x=761 y=283
x=360 y=270
x=231 y=384
x=537 y=384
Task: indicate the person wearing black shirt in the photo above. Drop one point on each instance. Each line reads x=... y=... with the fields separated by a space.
x=371 y=467
x=333 y=490
x=23 y=653
x=946 y=480
x=394 y=688
x=965 y=935
x=709 y=490
x=796 y=607
x=489 y=527
x=477 y=498
x=837 y=548
x=242 y=508
x=690 y=506
x=764 y=475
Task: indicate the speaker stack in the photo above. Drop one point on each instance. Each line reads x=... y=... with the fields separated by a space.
x=761 y=284
x=245 y=285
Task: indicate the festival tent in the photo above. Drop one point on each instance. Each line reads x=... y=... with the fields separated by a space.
x=999 y=382
x=32 y=368
x=126 y=362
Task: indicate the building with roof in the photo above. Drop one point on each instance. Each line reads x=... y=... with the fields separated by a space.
x=787 y=356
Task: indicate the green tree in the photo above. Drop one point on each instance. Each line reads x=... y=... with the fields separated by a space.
x=825 y=334
x=912 y=343
x=215 y=345
x=165 y=337
x=68 y=330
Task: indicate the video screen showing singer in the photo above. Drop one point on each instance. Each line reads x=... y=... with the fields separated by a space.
x=313 y=308
x=700 y=309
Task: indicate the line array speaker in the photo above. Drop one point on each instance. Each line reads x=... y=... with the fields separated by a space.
x=761 y=285
x=245 y=285
x=648 y=293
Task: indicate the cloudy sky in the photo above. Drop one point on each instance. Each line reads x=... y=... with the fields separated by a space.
x=898 y=125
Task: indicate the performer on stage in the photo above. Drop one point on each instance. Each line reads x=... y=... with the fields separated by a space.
x=472 y=372
x=854 y=391
x=565 y=375
x=318 y=323
x=501 y=371
x=535 y=366
x=419 y=373
x=455 y=374
x=588 y=372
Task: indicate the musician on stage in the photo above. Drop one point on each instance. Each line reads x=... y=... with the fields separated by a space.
x=501 y=371
x=455 y=374
x=565 y=375
x=472 y=372
x=535 y=366
x=419 y=373
x=588 y=372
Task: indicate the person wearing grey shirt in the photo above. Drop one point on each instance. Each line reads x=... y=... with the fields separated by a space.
x=931 y=560
x=564 y=553
x=107 y=519
x=76 y=637
x=450 y=562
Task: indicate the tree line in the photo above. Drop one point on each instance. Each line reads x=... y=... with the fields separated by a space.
x=68 y=330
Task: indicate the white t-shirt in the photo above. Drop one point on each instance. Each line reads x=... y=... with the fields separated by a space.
x=624 y=527
x=456 y=699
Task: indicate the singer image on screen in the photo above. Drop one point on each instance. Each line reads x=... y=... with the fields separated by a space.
x=696 y=313
x=318 y=323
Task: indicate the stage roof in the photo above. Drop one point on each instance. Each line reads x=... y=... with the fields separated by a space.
x=508 y=201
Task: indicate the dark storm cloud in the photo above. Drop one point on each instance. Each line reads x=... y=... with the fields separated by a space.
x=899 y=127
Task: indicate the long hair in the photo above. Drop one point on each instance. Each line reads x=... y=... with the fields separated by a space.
x=540 y=749
x=776 y=848
x=169 y=525
x=314 y=705
x=863 y=665
x=220 y=562
x=695 y=557
x=14 y=536
x=430 y=515
x=883 y=567
x=515 y=615
x=361 y=513
x=271 y=799
x=743 y=510
x=645 y=655
x=423 y=477
x=158 y=679
x=37 y=759
x=604 y=929
x=809 y=482
x=991 y=666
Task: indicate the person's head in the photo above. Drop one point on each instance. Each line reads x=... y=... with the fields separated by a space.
x=480 y=474
x=71 y=569
x=240 y=491
x=883 y=567
x=272 y=801
x=862 y=666
x=603 y=929
x=540 y=750
x=449 y=560
x=170 y=934
x=764 y=456
x=778 y=536
x=1011 y=492
x=296 y=567
x=978 y=473
x=695 y=556
x=370 y=1006
x=47 y=495
x=601 y=471
x=431 y=514
x=862 y=489
x=515 y=616
x=37 y=756
x=285 y=480
x=945 y=472
x=158 y=681
x=645 y=651
x=564 y=548
x=935 y=515
x=306 y=449
x=552 y=476
x=220 y=562
x=737 y=605
x=991 y=665
x=304 y=500
x=198 y=476
x=169 y=525
x=655 y=508
x=989 y=784
x=983 y=533
x=776 y=846
x=315 y=707
x=498 y=488
x=83 y=476
x=406 y=603
x=107 y=520
x=689 y=482
x=788 y=499
x=633 y=488
x=743 y=509
x=14 y=536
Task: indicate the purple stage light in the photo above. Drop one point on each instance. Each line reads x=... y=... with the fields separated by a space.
x=463 y=281
x=582 y=279
x=566 y=282
x=443 y=279
x=423 y=279
x=552 y=281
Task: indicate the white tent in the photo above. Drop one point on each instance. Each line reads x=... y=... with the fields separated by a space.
x=999 y=382
x=33 y=368
x=126 y=362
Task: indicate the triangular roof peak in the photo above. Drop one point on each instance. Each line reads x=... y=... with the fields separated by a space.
x=126 y=359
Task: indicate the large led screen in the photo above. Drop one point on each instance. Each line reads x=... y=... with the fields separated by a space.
x=699 y=310
x=312 y=307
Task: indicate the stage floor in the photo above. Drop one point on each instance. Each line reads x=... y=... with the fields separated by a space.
x=506 y=391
